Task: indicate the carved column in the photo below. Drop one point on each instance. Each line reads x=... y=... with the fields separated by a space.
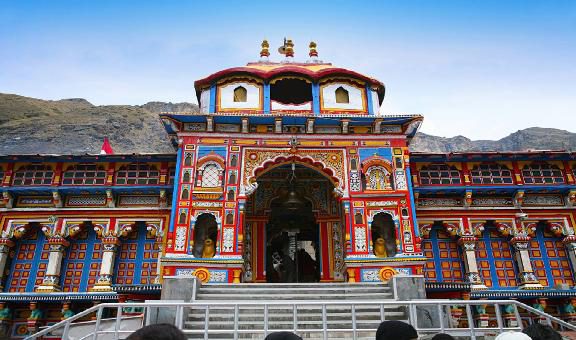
x=570 y=244
x=51 y=281
x=5 y=245
x=468 y=245
x=525 y=272
x=104 y=283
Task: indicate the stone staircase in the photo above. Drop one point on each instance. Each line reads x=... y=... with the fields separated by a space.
x=281 y=316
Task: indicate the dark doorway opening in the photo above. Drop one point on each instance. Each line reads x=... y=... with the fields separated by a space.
x=291 y=91
x=292 y=235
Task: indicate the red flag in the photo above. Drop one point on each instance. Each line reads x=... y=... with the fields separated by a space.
x=106 y=148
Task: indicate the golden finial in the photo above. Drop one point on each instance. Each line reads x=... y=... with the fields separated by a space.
x=313 y=52
x=289 y=48
x=264 y=53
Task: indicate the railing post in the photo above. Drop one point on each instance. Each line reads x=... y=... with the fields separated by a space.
x=66 y=330
x=265 y=320
x=354 y=336
x=180 y=316
x=441 y=318
x=118 y=320
x=382 y=315
x=206 y=321
x=499 y=317
x=517 y=315
x=324 y=322
x=148 y=318
x=470 y=322
x=295 y=318
x=97 y=323
x=236 y=322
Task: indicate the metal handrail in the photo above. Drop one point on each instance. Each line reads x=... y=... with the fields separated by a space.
x=412 y=305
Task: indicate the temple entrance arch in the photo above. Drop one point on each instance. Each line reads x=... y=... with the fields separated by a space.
x=293 y=226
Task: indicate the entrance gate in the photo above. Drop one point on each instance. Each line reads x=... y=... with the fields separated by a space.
x=290 y=228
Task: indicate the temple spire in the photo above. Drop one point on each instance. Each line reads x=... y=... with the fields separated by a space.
x=264 y=52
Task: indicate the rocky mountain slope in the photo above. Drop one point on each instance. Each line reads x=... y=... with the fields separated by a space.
x=534 y=138
x=75 y=126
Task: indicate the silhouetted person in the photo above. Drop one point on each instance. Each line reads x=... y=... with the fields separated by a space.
x=442 y=336
x=161 y=331
x=538 y=331
x=396 y=330
x=512 y=336
x=282 y=336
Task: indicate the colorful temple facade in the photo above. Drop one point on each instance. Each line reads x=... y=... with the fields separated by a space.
x=287 y=174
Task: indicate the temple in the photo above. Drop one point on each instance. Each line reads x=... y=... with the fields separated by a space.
x=288 y=173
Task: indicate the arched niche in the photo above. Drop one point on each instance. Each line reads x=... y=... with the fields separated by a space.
x=383 y=226
x=205 y=228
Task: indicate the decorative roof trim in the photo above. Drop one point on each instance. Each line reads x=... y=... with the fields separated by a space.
x=523 y=293
x=56 y=297
x=290 y=68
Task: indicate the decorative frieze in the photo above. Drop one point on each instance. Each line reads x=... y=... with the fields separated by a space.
x=543 y=200
x=141 y=200
x=492 y=201
x=86 y=201
x=439 y=202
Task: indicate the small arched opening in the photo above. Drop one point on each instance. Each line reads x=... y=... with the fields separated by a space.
x=342 y=96
x=205 y=236
x=383 y=232
x=240 y=94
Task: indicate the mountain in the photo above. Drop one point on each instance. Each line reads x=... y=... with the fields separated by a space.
x=534 y=138
x=75 y=126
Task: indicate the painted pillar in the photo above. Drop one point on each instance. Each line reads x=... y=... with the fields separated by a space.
x=5 y=245
x=212 y=98
x=266 y=97
x=368 y=96
x=525 y=272
x=240 y=226
x=348 y=227
x=110 y=245
x=51 y=281
x=468 y=245
x=570 y=244
x=259 y=248
x=326 y=254
x=316 y=98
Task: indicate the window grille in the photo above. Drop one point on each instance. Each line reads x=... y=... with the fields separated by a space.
x=542 y=174
x=211 y=176
x=439 y=174
x=138 y=174
x=491 y=174
x=84 y=174
x=34 y=174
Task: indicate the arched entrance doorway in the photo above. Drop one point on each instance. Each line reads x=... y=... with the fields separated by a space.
x=293 y=227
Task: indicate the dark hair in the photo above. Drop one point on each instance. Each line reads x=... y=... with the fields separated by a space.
x=161 y=331
x=282 y=336
x=538 y=331
x=442 y=336
x=396 y=330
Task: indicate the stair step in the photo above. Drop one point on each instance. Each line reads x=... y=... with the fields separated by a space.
x=290 y=296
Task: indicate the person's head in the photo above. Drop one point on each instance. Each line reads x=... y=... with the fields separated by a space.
x=396 y=330
x=162 y=331
x=538 y=331
x=282 y=336
x=512 y=336
x=442 y=336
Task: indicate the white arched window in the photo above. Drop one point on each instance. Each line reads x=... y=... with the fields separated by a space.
x=211 y=176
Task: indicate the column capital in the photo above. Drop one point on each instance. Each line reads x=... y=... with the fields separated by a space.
x=468 y=242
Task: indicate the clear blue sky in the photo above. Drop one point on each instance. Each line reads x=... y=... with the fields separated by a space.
x=482 y=69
